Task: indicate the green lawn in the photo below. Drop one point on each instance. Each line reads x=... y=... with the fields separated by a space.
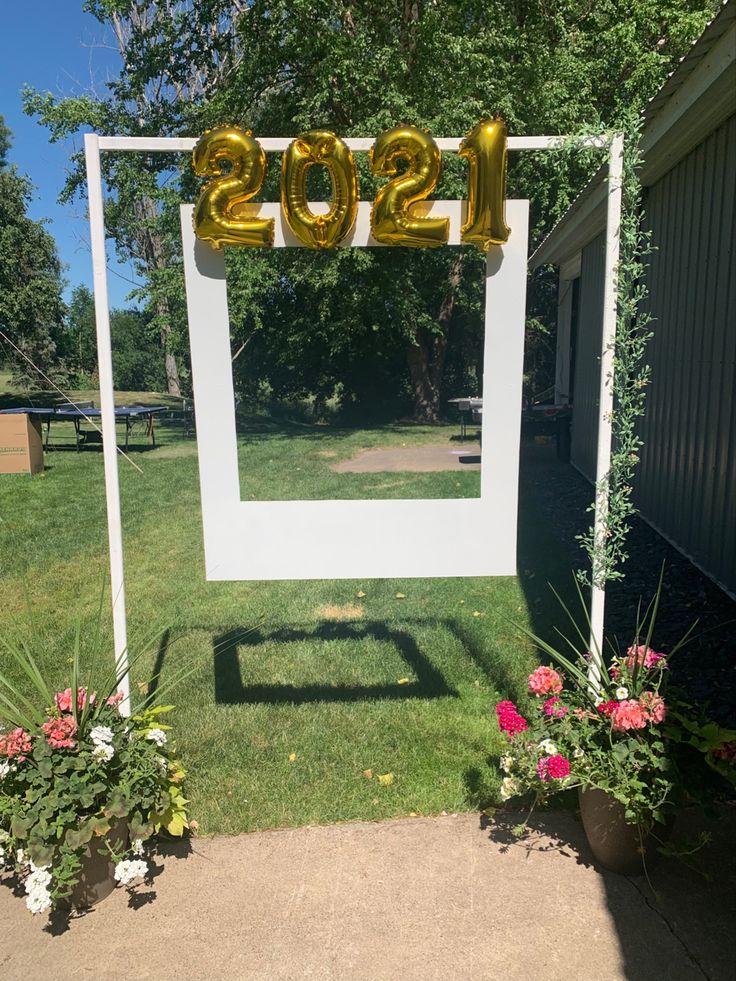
x=298 y=687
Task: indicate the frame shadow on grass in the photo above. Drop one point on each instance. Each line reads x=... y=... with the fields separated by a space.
x=230 y=689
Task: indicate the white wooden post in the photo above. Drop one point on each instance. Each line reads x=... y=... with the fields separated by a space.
x=605 y=397
x=107 y=405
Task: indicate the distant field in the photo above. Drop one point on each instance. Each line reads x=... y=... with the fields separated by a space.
x=303 y=692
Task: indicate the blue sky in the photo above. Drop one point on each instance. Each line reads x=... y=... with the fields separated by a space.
x=53 y=46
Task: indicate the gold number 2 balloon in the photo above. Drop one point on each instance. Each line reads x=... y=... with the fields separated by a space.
x=319 y=146
x=216 y=216
x=485 y=150
x=392 y=221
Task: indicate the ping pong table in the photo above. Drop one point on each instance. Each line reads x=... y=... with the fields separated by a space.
x=129 y=415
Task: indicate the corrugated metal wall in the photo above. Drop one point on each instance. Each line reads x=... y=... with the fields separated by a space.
x=587 y=361
x=686 y=484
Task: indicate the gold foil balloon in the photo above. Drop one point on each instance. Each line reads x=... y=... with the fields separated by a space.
x=319 y=146
x=485 y=150
x=216 y=217
x=392 y=221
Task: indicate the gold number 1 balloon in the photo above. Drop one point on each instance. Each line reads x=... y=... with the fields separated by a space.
x=485 y=150
x=215 y=214
x=319 y=146
x=392 y=221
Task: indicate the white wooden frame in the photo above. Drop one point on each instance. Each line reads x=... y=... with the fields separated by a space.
x=95 y=144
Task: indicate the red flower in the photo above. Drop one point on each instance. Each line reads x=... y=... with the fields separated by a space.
x=553 y=768
x=606 y=708
x=509 y=719
x=59 y=732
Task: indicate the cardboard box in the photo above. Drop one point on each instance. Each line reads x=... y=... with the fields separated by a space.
x=21 y=444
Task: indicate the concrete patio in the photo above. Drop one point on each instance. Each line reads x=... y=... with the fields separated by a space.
x=420 y=899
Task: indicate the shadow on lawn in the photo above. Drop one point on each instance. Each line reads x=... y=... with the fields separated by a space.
x=230 y=690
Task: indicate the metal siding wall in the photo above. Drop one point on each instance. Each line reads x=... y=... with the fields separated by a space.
x=687 y=477
x=588 y=361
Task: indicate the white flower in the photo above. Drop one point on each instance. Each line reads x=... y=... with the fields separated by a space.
x=127 y=871
x=578 y=753
x=38 y=902
x=137 y=846
x=162 y=762
x=507 y=764
x=548 y=747
x=5 y=769
x=509 y=787
x=598 y=701
x=101 y=735
x=622 y=693
x=157 y=736
x=38 y=897
x=103 y=751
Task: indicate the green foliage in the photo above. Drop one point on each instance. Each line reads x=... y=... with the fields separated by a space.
x=73 y=770
x=621 y=728
x=410 y=324
x=31 y=305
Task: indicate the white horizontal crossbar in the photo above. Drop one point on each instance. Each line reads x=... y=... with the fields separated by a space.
x=184 y=144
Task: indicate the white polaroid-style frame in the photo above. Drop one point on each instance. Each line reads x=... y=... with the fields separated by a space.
x=267 y=528
x=348 y=539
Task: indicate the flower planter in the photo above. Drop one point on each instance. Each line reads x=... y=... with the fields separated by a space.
x=616 y=844
x=97 y=875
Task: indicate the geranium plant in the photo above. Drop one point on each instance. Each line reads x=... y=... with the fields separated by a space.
x=620 y=728
x=78 y=777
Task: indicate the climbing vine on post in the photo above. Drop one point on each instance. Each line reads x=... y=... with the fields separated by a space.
x=607 y=550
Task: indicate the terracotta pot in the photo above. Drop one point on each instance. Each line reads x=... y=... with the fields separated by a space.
x=616 y=844
x=97 y=875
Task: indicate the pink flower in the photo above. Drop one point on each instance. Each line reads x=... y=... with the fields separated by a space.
x=15 y=743
x=549 y=708
x=509 y=719
x=544 y=681
x=59 y=732
x=553 y=768
x=653 y=705
x=628 y=714
x=115 y=699
x=63 y=699
x=641 y=654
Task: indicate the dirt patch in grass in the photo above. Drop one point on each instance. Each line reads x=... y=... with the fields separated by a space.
x=330 y=611
x=327 y=454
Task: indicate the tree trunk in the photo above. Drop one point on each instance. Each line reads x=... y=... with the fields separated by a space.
x=427 y=352
x=152 y=248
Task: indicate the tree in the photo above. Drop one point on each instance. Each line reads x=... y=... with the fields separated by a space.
x=358 y=67
x=173 y=54
x=31 y=305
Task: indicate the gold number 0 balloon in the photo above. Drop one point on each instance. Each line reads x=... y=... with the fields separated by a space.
x=215 y=213
x=485 y=150
x=392 y=222
x=319 y=146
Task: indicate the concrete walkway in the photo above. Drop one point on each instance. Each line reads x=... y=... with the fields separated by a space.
x=426 y=899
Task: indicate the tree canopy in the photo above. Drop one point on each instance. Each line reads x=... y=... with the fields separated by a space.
x=383 y=326
x=31 y=304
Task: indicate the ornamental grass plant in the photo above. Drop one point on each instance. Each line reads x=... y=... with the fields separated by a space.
x=79 y=779
x=614 y=724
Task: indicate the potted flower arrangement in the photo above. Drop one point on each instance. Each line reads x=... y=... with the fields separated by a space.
x=83 y=788
x=622 y=736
